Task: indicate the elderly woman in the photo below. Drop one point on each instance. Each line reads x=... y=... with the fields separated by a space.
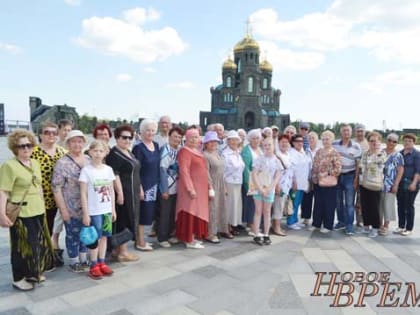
x=370 y=178
x=168 y=186
x=234 y=167
x=301 y=165
x=218 y=215
x=20 y=182
x=284 y=185
x=249 y=154
x=102 y=132
x=290 y=131
x=147 y=153
x=393 y=172
x=127 y=188
x=326 y=167
x=66 y=188
x=192 y=206
x=308 y=195
x=47 y=153
x=409 y=185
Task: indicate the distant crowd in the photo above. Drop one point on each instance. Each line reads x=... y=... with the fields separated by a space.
x=194 y=187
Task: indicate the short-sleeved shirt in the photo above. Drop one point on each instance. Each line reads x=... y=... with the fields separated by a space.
x=349 y=155
x=267 y=164
x=394 y=160
x=411 y=163
x=15 y=180
x=99 y=182
x=47 y=164
x=234 y=166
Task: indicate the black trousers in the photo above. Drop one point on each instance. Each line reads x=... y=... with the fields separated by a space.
x=405 y=202
x=306 y=205
x=50 y=213
x=370 y=201
x=324 y=206
x=166 y=223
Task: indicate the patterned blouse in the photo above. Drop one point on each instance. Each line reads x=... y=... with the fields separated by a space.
x=66 y=176
x=326 y=162
x=47 y=164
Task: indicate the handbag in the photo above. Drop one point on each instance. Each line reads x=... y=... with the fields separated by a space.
x=263 y=178
x=13 y=208
x=328 y=181
x=122 y=237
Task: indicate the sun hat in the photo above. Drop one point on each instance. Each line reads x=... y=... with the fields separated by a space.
x=210 y=136
x=233 y=134
x=88 y=235
x=74 y=134
x=275 y=127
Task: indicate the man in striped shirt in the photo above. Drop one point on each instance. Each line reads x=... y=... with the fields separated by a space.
x=350 y=152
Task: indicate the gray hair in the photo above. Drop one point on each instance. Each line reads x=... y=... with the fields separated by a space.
x=291 y=127
x=145 y=123
x=254 y=133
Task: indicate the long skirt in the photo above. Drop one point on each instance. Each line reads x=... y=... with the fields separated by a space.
x=233 y=203
x=189 y=227
x=31 y=248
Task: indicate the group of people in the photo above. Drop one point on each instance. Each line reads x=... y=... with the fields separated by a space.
x=192 y=187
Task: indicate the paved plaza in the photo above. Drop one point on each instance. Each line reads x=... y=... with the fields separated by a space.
x=234 y=277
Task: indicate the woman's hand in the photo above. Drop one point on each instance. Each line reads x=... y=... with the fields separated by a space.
x=5 y=221
x=114 y=216
x=165 y=196
x=193 y=195
x=86 y=220
x=120 y=199
x=65 y=215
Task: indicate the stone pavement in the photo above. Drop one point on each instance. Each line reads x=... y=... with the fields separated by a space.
x=235 y=277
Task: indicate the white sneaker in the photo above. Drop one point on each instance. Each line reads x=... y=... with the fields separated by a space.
x=173 y=240
x=373 y=233
x=324 y=230
x=406 y=233
x=398 y=230
x=165 y=244
x=313 y=228
x=23 y=285
x=301 y=225
x=194 y=245
x=294 y=227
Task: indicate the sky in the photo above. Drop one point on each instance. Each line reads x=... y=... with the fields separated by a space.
x=339 y=60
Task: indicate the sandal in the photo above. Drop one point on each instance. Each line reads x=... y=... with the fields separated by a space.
x=127 y=257
x=213 y=240
x=281 y=233
x=226 y=235
x=146 y=248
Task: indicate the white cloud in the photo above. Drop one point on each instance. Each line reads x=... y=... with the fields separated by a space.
x=181 y=85
x=118 y=37
x=123 y=77
x=392 y=79
x=10 y=48
x=73 y=3
x=150 y=70
x=389 y=29
x=138 y=16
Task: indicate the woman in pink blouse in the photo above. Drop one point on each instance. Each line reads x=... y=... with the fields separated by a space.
x=325 y=170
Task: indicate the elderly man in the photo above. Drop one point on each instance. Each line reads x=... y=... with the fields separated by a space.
x=360 y=138
x=303 y=131
x=163 y=135
x=350 y=152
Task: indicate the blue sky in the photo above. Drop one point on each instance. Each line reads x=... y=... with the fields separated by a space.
x=340 y=60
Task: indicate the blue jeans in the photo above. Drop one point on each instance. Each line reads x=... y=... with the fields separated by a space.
x=292 y=219
x=345 y=200
x=73 y=244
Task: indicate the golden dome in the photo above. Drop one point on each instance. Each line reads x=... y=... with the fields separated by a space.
x=246 y=43
x=229 y=64
x=266 y=66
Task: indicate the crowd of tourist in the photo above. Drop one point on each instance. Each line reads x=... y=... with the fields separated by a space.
x=192 y=187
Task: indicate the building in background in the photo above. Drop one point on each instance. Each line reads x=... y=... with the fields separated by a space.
x=2 y=120
x=246 y=98
x=40 y=112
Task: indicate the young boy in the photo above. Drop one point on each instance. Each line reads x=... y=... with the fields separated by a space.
x=98 y=206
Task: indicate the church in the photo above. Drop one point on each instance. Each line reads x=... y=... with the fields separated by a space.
x=245 y=99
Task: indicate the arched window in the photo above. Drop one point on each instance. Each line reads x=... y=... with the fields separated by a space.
x=229 y=82
x=265 y=83
x=250 y=84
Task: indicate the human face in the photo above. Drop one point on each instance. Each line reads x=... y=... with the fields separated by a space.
x=148 y=133
x=242 y=134
x=63 y=131
x=175 y=139
x=345 y=133
x=49 y=135
x=98 y=153
x=303 y=131
x=289 y=132
x=124 y=140
x=374 y=143
x=103 y=135
x=298 y=144
x=254 y=142
x=211 y=146
x=408 y=143
x=312 y=141
x=24 y=148
x=275 y=133
x=360 y=134
x=391 y=144
x=76 y=145
x=284 y=144
x=326 y=141
x=220 y=131
x=164 y=124
x=268 y=133
x=233 y=143
x=193 y=140
x=267 y=146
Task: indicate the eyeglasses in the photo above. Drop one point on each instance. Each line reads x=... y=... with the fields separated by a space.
x=303 y=128
x=392 y=141
x=126 y=137
x=49 y=132
x=24 y=146
x=297 y=140
x=373 y=141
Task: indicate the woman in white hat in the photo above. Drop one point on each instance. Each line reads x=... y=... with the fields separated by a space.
x=234 y=167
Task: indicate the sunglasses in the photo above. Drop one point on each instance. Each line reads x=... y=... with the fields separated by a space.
x=24 y=146
x=126 y=137
x=303 y=128
x=49 y=133
x=392 y=141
